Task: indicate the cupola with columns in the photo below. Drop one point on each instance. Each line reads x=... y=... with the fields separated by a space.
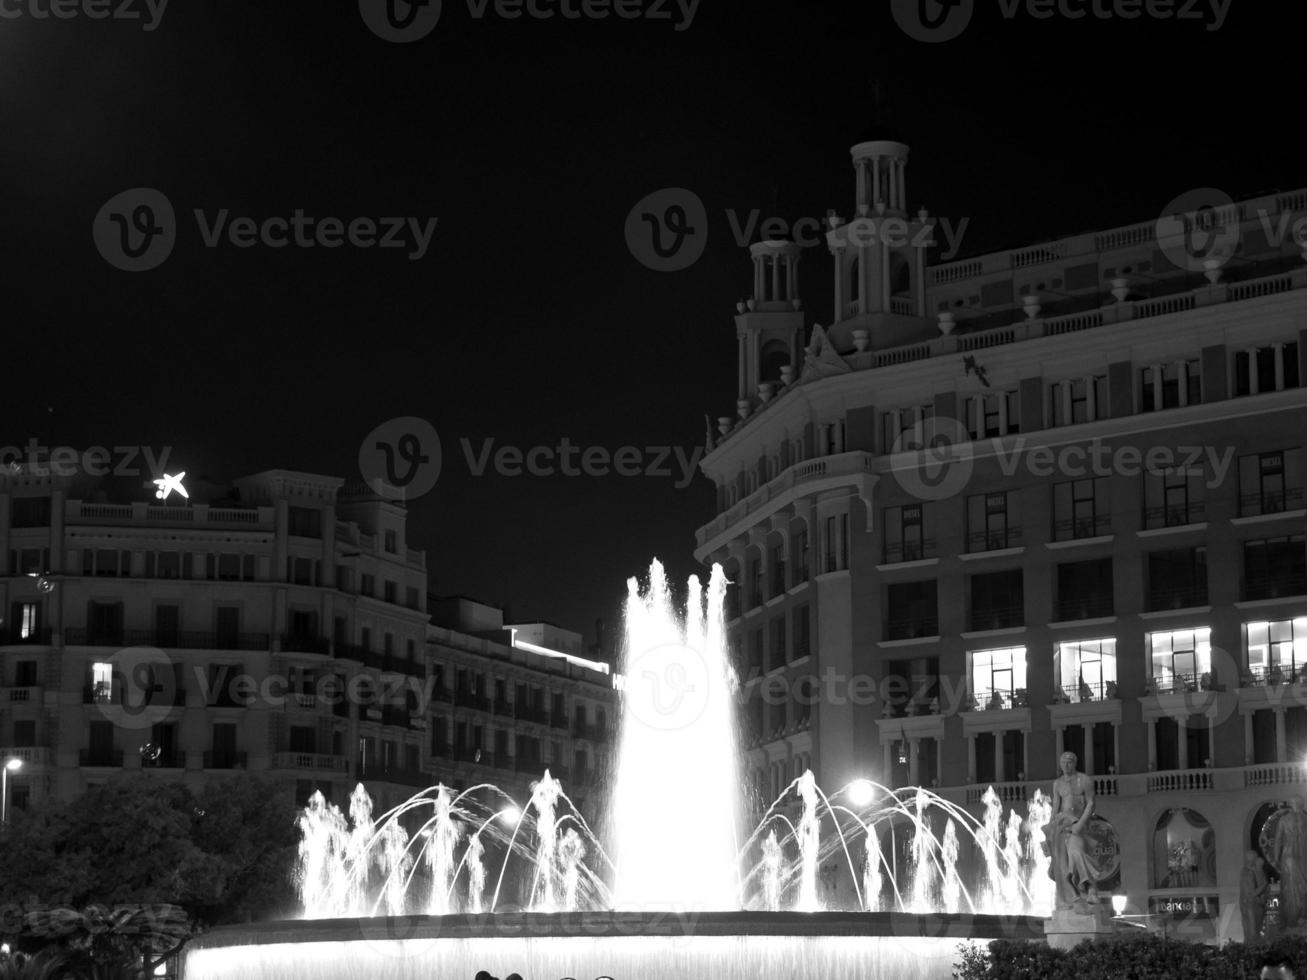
x=769 y=325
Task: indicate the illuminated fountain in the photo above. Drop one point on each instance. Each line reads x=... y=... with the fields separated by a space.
x=449 y=883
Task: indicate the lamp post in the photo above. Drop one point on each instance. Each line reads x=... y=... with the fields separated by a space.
x=11 y=765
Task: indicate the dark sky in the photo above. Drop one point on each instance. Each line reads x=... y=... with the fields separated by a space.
x=530 y=140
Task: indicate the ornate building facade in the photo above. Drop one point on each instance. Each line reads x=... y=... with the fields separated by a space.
x=1037 y=500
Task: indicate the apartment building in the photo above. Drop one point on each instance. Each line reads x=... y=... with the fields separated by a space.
x=1032 y=501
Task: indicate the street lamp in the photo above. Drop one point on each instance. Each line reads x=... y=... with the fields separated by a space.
x=11 y=765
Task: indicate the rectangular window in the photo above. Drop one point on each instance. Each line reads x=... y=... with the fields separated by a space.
x=1270 y=483
x=1171 y=385
x=1261 y=369
x=992 y=522
x=997 y=676
x=1079 y=400
x=997 y=600
x=390 y=592
x=391 y=543
x=802 y=631
x=368 y=587
x=1177 y=579
x=1081 y=509
x=1274 y=567
x=1084 y=589
x=905 y=533
x=777 y=654
x=1181 y=659
x=1088 y=669
x=304 y=522
x=801 y=556
x=994 y=414
x=776 y=559
x=1174 y=497
x=913 y=610
x=1276 y=652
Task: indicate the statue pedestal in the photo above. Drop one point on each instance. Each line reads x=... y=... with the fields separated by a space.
x=1068 y=927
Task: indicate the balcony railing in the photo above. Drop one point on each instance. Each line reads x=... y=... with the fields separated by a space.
x=1270 y=502
x=1085 y=691
x=20 y=637
x=997 y=617
x=538 y=716
x=1289 y=583
x=305 y=643
x=224 y=760
x=21 y=695
x=1189 y=683
x=466 y=699
x=595 y=733
x=1180 y=597
x=1176 y=515
x=1077 y=528
x=901 y=551
x=1084 y=607
x=1274 y=675
x=1185 y=780
x=1001 y=700
x=911 y=628
x=1014 y=792
x=102 y=758
x=308 y=760
x=167 y=639
x=978 y=541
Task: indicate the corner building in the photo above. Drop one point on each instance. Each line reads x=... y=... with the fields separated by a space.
x=1103 y=552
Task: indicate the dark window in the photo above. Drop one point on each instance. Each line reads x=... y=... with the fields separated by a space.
x=29 y=512
x=997 y=600
x=1084 y=589
x=1270 y=483
x=911 y=610
x=305 y=522
x=1274 y=567
x=1177 y=578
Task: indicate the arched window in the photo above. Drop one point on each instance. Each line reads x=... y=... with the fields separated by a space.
x=775 y=355
x=1184 y=850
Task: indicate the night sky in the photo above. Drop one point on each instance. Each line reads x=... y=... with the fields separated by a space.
x=529 y=319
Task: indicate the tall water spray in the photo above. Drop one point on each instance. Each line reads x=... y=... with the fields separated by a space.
x=951 y=892
x=678 y=744
x=440 y=853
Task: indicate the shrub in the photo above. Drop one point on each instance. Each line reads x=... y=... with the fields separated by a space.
x=1138 y=957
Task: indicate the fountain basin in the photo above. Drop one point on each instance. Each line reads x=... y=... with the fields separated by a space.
x=586 y=945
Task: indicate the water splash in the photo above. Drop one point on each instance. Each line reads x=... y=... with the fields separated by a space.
x=544 y=797
x=571 y=852
x=476 y=874
x=1041 y=887
x=440 y=853
x=772 y=862
x=809 y=844
x=871 y=878
x=923 y=870
x=951 y=892
x=678 y=738
x=993 y=821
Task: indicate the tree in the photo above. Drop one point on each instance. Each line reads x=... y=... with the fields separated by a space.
x=226 y=855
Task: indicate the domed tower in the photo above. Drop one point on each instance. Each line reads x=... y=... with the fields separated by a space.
x=880 y=254
x=769 y=325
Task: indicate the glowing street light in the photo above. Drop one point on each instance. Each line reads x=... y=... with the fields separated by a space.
x=511 y=815
x=861 y=792
x=1118 y=904
x=11 y=765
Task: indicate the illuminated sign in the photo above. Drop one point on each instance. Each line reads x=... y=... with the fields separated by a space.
x=168 y=484
x=1185 y=906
